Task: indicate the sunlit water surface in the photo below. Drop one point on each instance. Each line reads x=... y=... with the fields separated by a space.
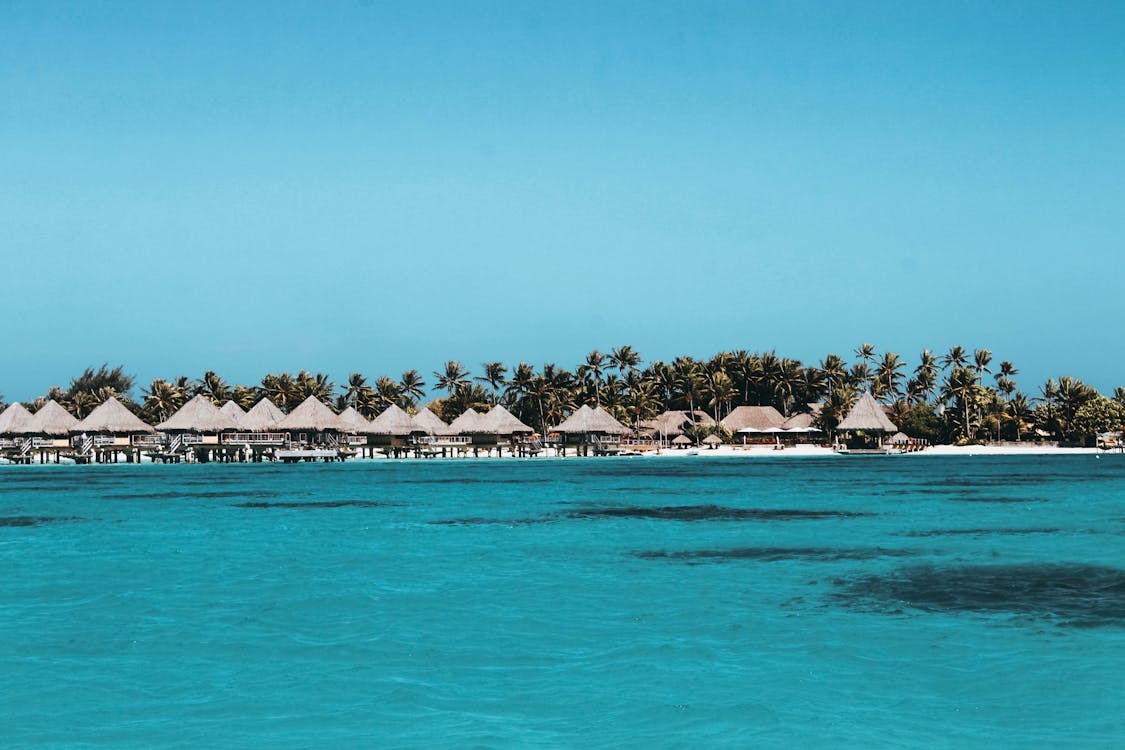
x=862 y=602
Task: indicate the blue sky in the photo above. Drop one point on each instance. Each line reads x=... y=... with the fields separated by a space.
x=375 y=186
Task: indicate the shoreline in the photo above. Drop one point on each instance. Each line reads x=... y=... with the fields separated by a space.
x=728 y=452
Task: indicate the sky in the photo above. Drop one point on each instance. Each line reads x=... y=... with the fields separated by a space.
x=371 y=186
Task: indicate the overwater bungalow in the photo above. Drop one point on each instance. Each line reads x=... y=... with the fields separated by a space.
x=754 y=424
x=865 y=427
x=109 y=432
x=394 y=432
x=197 y=429
x=588 y=429
x=49 y=432
x=14 y=444
x=314 y=432
x=499 y=427
x=466 y=424
x=439 y=438
x=258 y=429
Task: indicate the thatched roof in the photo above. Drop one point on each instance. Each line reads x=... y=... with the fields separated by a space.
x=802 y=422
x=357 y=421
x=198 y=415
x=51 y=419
x=713 y=440
x=899 y=438
x=681 y=440
x=502 y=422
x=314 y=416
x=467 y=423
x=263 y=416
x=672 y=422
x=14 y=419
x=432 y=423
x=867 y=415
x=235 y=412
x=592 y=420
x=394 y=421
x=753 y=419
x=112 y=417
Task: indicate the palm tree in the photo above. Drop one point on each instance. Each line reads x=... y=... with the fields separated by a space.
x=788 y=378
x=591 y=371
x=925 y=377
x=888 y=377
x=962 y=389
x=835 y=371
x=642 y=401
x=162 y=400
x=387 y=392
x=866 y=353
x=624 y=358
x=688 y=375
x=213 y=387
x=493 y=375
x=1020 y=413
x=412 y=387
x=720 y=389
x=452 y=377
x=956 y=357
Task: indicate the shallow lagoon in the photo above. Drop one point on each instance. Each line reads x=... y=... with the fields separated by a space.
x=816 y=602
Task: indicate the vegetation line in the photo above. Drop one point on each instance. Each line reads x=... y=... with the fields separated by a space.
x=954 y=397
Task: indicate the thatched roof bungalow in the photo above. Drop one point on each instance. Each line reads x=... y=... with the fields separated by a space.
x=587 y=421
x=14 y=419
x=673 y=422
x=500 y=421
x=867 y=416
x=395 y=422
x=359 y=424
x=752 y=419
x=51 y=420
x=313 y=416
x=263 y=417
x=113 y=428
x=432 y=423
x=199 y=416
x=466 y=424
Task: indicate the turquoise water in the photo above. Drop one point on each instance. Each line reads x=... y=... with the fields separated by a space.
x=897 y=601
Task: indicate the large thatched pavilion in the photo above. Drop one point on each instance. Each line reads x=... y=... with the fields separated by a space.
x=866 y=425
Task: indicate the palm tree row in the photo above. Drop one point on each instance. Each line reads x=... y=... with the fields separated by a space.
x=956 y=396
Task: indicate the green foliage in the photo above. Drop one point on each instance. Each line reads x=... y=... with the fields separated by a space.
x=1097 y=415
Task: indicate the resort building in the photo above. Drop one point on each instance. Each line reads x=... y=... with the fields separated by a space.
x=754 y=424
x=588 y=429
x=109 y=432
x=866 y=425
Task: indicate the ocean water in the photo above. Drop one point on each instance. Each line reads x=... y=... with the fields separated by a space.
x=903 y=601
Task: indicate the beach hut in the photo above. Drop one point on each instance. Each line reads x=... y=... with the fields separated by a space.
x=110 y=431
x=466 y=424
x=595 y=428
x=753 y=422
x=199 y=416
x=670 y=423
x=432 y=423
x=393 y=429
x=263 y=417
x=681 y=441
x=258 y=429
x=197 y=429
x=500 y=426
x=13 y=420
x=867 y=423
x=49 y=429
x=714 y=441
x=312 y=423
x=799 y=428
